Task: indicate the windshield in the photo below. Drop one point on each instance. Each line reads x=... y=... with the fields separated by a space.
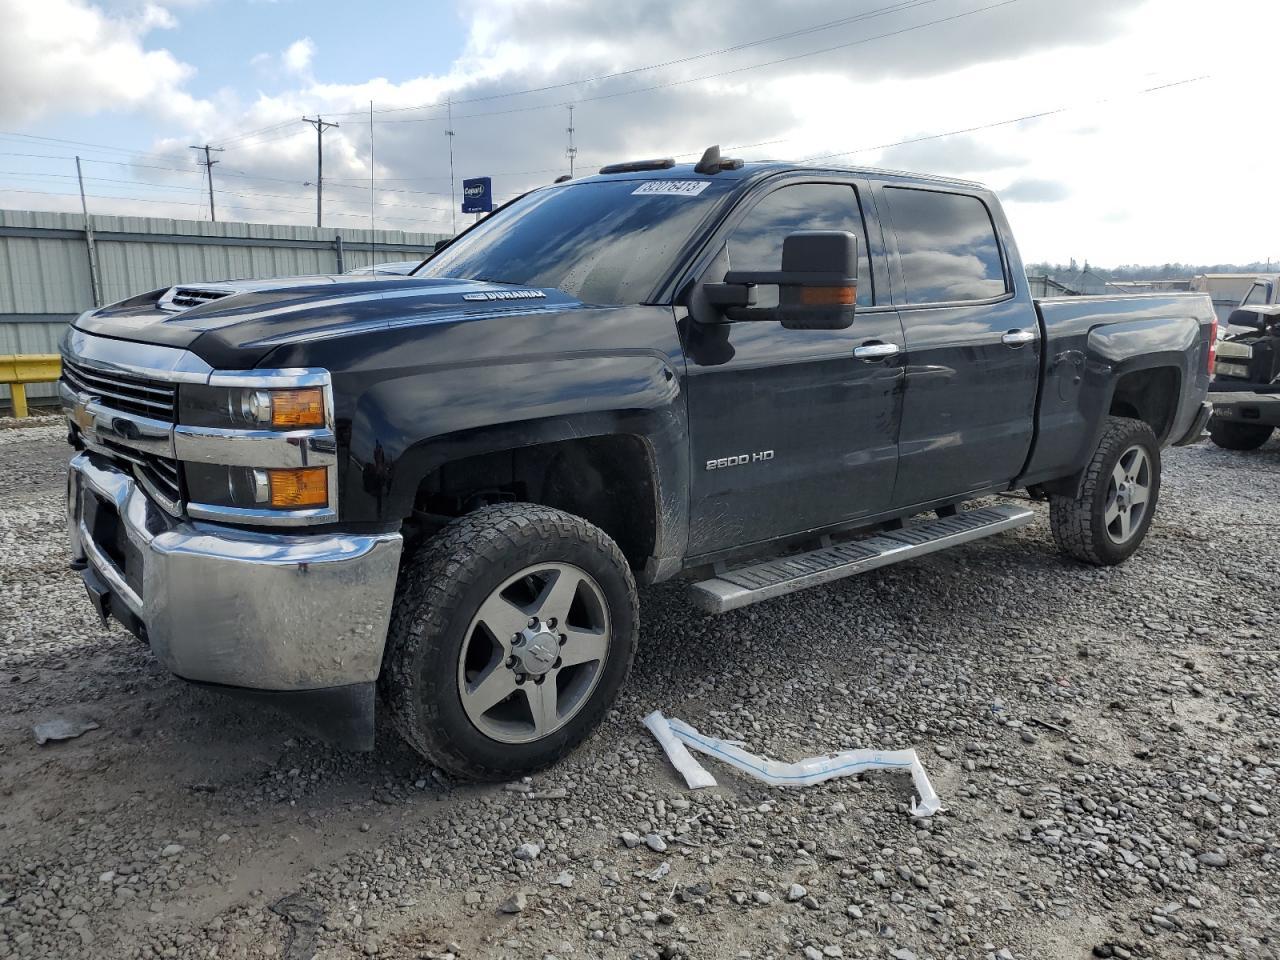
x=609 y=242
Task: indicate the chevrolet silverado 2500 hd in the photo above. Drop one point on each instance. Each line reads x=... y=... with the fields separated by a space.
x=438 y=492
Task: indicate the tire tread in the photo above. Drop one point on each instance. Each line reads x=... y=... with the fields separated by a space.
x=433 y=580
x=1071 y=517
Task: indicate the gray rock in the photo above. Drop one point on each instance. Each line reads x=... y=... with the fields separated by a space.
x=655 y=843
x=516 y=903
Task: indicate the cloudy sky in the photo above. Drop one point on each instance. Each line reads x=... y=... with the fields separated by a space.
x=1117 y=131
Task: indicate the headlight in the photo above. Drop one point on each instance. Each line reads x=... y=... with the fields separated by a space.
x=261 y=488
x=258 y=447
x=251 y=408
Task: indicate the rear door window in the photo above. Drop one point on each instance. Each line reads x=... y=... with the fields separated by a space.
x=1256 y=297
x=756 y=242
x=947 y=246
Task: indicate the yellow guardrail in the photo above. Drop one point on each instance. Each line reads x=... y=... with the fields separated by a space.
x=17 y=370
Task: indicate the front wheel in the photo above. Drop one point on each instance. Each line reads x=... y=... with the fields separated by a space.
x=512 y=631
x=1111 y=511
x=1234 y=435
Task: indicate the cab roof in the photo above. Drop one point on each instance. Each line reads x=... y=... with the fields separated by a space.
x=754 y=170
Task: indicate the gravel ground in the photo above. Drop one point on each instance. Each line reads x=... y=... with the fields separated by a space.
x=1104 y=742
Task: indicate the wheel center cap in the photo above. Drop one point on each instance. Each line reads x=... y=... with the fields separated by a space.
x=538 y=653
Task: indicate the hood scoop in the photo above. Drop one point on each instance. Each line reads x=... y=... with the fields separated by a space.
x=177 y=299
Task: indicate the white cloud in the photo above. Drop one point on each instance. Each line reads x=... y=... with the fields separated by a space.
x=1118 y=176
x=297 y=56
x=65 y=56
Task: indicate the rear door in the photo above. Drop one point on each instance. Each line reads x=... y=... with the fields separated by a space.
x=973 y=347
x=789 y=430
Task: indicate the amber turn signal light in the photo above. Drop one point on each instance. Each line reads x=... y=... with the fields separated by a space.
x=300 y=488
x=828 y=296
x=297 y=408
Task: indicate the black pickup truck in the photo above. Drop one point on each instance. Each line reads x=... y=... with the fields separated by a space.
x=438 y=492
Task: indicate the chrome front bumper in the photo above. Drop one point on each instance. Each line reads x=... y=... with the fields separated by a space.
x=265 y=611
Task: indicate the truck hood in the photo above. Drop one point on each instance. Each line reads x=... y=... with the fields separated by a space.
x=234 y=324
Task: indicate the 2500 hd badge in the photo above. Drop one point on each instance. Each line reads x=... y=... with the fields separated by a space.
x=724 y=462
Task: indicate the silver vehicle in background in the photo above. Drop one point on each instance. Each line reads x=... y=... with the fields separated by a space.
x=399 y=268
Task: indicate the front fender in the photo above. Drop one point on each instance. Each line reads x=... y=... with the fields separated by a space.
x=406 y=427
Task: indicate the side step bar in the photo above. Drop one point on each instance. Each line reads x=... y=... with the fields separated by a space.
x=775 y=578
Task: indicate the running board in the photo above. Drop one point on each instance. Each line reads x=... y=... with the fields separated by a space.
x=775 y=578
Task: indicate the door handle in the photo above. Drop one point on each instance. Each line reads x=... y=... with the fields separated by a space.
x=875 y=350
x=1016 y=338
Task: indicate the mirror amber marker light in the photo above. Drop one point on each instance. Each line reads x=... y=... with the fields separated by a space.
x=828 y=296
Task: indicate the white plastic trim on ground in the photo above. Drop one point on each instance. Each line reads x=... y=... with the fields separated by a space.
x=676 y=735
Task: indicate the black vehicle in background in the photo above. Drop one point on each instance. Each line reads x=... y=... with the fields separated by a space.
x=440 y=491
x=1246 y=387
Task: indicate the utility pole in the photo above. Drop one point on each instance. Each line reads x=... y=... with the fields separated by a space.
x=453 y=200
x=321 y=126
x=208 y=163
x=572 y=152
x=373 y=195
x=88 y=239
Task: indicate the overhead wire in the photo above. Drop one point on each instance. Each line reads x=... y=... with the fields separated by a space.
x=713 y=76
x=733 y=48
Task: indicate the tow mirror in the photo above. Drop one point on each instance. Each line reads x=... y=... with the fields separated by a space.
x=1248 y=317
x=817 y=285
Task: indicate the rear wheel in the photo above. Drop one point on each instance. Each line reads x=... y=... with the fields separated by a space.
x=1111 y=511
x=512 y=632
x=1234 y=435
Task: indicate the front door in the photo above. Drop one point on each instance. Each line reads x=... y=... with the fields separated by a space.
x=973 y=349
x=790 y=431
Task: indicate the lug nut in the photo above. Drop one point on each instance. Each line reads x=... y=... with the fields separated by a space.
x=511 y=662
x=551 y=623
x=563 y=639
x=533 y=622
x=556 y=665
x=538 y=680
x=520 y=678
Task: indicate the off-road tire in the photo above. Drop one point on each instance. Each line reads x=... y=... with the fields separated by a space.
x=1078 y=522
x=1234 y=435
x=440 y=588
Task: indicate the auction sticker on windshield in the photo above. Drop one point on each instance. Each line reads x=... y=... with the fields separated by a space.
x=672 y=188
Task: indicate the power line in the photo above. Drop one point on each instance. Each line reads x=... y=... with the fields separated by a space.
x=828 y=25
x=165 y=186
x=721 y=73
x=261 y=130
x=98 y=147
x=197 y=203
x=1008 y=122
x=21 y=175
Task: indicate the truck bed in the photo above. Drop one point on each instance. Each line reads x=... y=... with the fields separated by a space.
x=1089 y=344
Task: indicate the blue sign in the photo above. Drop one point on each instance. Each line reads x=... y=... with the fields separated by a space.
x=477 y=195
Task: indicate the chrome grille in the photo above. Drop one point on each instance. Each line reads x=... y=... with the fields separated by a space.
x=160 y=473
x=128 y=392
